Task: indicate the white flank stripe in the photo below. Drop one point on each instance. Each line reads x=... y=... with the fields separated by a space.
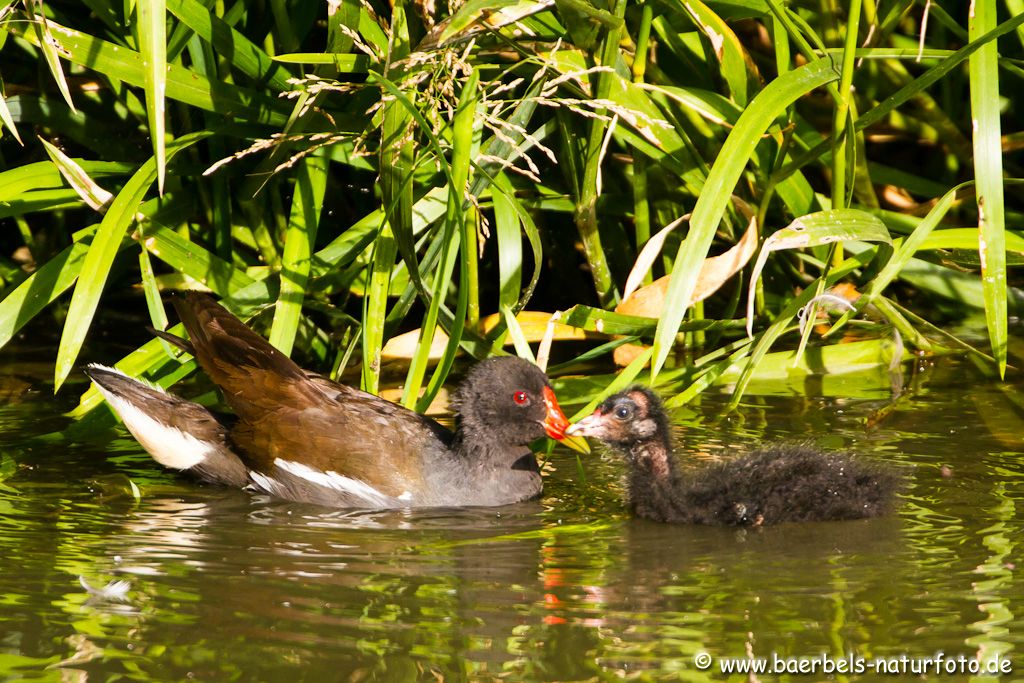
x=169 y=446
x=333 y=480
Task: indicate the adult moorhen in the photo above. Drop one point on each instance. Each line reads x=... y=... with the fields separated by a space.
x=791 y=483
x=300 y=436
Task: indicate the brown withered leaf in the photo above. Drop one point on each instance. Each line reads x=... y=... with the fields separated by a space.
x=648 y=301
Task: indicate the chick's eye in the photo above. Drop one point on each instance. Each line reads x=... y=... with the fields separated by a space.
x=623 y=412
x=521 y=398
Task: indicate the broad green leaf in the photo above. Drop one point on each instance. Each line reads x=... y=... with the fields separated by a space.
x=967 y=239
x=101 y=136
x=40 y=201
x=340 y=16
x=510 y=245
x=375 y=305
x=608 y=322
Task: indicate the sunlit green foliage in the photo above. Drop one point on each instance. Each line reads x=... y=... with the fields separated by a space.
x=345 y=172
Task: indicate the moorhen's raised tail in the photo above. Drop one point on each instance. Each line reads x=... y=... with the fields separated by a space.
x=301 y=436
x=780 y=484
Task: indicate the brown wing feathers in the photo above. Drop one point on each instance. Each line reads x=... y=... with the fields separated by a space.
x=284 y=413
x=255 y=376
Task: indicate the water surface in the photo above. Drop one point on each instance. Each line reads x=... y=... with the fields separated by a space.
x=229 y=586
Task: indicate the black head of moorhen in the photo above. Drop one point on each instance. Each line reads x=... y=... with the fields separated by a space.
x=303 y=437
x=786 y=483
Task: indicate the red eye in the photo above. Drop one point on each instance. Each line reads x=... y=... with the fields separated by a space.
x=521 y=398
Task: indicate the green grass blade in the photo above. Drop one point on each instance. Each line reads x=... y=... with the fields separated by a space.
x=157 y=313
x=6 y=118
x=711 y=205
x=45 y=41
x=781 y=324
x=594 y=153
x=54 y=277
x=39 y=289
x=983 y=67
x=454 y=235
x=510 y=246
x=40 y=201
x=245 y=56
x=503 y=186
x=968 y=239
x=733 y=59
x=44 y=175
x=842 y=118
x=457 y=222
x=101 y=254
x=86 y=188
x=824 y=227
x=375 y=306
x=343 y=63
x=192 y=260
x=455 y=324
x=901 y=256
x=396 y=162
x=522 y=346
x=885 y=108
x=152 y=29
x=621 y=381
x=296 y=262
x=183 y=84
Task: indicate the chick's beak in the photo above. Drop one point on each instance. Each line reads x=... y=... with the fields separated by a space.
x=591 y=425
x=555 y=422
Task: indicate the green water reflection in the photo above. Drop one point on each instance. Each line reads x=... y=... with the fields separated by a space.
x=227 y=586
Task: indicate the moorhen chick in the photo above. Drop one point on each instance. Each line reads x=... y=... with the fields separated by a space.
x=300 y=436
x=789 y=483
